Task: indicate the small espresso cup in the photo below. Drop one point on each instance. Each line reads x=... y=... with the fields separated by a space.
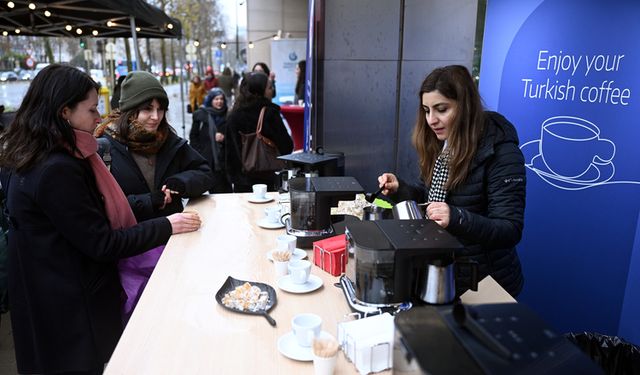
x=259 y=191
x=306 y=327
x=300 y=271
x=273 y=214
x=286 y=242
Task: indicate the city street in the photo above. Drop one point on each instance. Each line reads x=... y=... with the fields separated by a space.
x=11 y=94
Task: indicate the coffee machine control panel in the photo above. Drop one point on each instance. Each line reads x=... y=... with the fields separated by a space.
x=418 y=235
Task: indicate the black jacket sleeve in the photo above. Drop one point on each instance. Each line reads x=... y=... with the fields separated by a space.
x=66 y=198
x=502 y=226
x=195 y=175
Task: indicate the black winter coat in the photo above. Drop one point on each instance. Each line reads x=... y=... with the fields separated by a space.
x=245 y=120
x=63 y=276
x=175 y=159
x=200 y=137
x=487 y=210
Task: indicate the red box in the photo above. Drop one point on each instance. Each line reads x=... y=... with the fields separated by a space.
x=330 y=254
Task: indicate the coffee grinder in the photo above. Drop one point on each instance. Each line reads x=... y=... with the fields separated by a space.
x=399 y=261
x=311 y=201
x=309 y=164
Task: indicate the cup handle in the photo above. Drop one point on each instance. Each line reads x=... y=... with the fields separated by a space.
x=283 y=221
x=608 y=152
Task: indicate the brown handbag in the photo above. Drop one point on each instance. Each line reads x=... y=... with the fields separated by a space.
x=259 y=153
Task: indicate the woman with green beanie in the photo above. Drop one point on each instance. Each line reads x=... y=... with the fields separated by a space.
x=154 y=167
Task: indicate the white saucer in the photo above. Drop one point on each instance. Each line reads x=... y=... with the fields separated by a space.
x=287 y=285
x=266 y=224
x=253 y=199
x=288 y=347
x=297 y=254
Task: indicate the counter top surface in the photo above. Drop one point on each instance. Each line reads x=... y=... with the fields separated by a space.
x=178 y=328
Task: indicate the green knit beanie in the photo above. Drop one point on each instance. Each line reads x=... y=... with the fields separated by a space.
x=139 y=87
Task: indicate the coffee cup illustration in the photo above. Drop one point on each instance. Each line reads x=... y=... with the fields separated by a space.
x=569 y=146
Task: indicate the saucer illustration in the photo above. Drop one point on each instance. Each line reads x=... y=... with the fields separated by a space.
x=597 y=173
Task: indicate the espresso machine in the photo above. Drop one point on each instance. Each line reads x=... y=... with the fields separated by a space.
x=311 y=200
x=400 y=261
x=497 y=339
x=309 y=164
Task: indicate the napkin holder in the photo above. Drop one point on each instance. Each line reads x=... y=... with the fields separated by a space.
x=330 y=254
x=368 y=342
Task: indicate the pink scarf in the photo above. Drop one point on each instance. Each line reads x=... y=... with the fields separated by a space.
x=134 y=271
x=115 y=203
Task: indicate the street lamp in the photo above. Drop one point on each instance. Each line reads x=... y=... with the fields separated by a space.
x=238 y=3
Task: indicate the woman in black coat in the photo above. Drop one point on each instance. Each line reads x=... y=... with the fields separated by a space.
x=154 y=167
x=473 y=175
x=255 y=94
x=69 y=225
x=207 y=136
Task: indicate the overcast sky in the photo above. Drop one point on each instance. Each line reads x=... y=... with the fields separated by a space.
x=228 y=9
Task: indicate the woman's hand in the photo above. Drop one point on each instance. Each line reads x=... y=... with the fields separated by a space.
x=184 y=222
x=389 y=182
x=219 y=137
x=440 y=213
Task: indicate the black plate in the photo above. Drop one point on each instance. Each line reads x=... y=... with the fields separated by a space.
x=230 y=284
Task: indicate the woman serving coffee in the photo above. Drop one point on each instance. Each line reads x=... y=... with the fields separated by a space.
x=472 y=174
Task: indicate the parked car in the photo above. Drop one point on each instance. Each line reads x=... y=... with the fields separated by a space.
x=25 y=75
x=8 y=76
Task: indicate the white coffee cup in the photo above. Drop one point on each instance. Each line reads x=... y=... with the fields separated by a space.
x=273 y=214
x=282 y=268
x=286 y=242
x=259 y=191
x=300 y=271
x=306 y=327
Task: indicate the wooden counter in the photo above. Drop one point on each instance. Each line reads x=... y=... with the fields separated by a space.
x=178 y=328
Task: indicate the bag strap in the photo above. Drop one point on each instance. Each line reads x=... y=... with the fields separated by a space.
x=260 y=119
x=104 y=150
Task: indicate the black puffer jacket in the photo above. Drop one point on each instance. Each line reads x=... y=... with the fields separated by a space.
x=176 y=160
x=487 y=210
x=245 y=120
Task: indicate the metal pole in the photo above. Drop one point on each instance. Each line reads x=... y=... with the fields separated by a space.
x=132 y=22
x=184 y=106
x=237 y=44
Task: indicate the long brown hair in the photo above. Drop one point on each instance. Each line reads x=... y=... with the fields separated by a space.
x=455 y=83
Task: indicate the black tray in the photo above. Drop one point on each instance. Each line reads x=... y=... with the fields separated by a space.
x=231 y=283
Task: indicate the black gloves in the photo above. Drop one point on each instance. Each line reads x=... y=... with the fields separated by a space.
x=176 y=185
x=157 y=199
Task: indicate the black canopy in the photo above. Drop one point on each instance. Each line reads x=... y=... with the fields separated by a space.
x=52 y=18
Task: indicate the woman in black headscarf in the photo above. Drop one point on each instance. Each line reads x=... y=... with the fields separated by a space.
x=207 y=136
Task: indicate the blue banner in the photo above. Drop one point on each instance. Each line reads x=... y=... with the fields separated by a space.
x=566 y=74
